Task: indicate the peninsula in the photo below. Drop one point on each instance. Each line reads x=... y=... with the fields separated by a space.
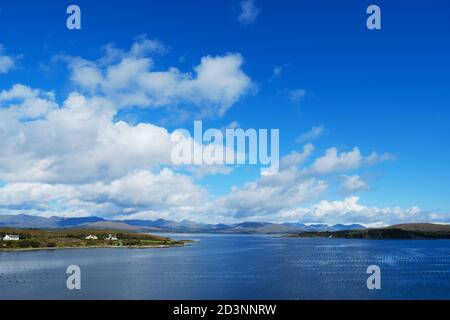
x=13 y=239
x=400 y=231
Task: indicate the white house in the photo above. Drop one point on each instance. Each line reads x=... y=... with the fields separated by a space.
x=11 y=237
x=111 y=237
x=91 y=237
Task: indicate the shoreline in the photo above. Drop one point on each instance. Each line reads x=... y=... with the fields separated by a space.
x=161 y=246
x=368 y=239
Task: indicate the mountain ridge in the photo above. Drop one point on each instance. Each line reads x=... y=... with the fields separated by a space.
x=25 y=221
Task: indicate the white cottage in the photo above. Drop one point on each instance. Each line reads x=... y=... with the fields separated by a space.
x=111 y=237
x=91 y=237
x=11 y=237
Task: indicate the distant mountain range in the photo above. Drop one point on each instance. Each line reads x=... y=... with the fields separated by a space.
x=161 y=225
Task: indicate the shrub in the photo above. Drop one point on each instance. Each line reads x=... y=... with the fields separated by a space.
x=28 y=244
x=131 y=242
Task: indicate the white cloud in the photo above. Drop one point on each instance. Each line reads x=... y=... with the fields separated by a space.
x=313 y=134
x=22 y=102
x=77 y=142
x=296 y=158
x=141 y=48
x=353 y=183
x=333 y=161
x=280 y=197
x=249 y=12
x=145 y=189
x=86 y=74
x=375 y=158
x=6 y=62
x=263 y=197
x=131 y=79
x=164 y=192
x=269 y=194
x=349 y=210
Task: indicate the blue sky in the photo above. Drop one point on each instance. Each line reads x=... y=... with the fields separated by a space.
x=384 y=91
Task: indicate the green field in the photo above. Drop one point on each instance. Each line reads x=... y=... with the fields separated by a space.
x=75 y=238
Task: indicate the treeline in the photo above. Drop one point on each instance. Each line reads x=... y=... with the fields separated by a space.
x=20 y=244
x=382 y=233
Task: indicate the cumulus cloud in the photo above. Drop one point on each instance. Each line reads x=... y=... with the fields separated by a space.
x=74 y=159
x=349 y=210
x=267 y=197
x=249 y=12
x=144 y=189
x=334 y=161
x=295 y=158
x=166 y=193
x=6 y=62
x=80 y=142
x=269 y=194
x=24 y=103
x=132 y=79
x=77 y=142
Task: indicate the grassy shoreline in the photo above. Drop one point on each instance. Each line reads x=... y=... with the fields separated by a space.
x=96 y=247
x=39 y=239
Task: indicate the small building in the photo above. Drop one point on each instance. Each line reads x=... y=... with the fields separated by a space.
x=111 y=237
x=11 y=237
x=91 y=237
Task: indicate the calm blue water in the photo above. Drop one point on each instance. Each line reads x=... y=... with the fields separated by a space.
x=235 y=267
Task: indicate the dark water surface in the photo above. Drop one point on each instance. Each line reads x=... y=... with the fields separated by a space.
x=235 y=267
